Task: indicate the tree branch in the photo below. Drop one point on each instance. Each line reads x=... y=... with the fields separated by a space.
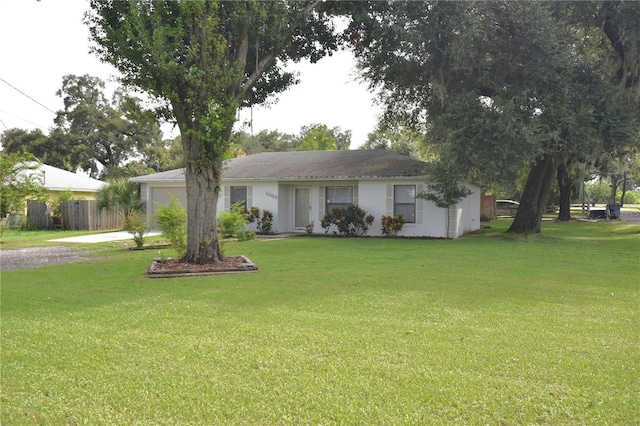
x=268 y=60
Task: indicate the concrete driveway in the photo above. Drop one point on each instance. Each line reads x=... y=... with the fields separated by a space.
x=105 y=237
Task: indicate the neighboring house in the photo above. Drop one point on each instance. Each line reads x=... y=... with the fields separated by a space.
x=299 y=187
x=56 y=180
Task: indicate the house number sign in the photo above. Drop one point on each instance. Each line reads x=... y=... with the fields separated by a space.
x=269 y=194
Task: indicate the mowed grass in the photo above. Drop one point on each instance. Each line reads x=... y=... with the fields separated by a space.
x=487 y=329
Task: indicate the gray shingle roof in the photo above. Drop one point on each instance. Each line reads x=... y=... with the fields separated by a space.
x=350 y=164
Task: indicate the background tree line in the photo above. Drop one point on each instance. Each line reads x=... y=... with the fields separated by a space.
x=501 y=90
x=119 y=138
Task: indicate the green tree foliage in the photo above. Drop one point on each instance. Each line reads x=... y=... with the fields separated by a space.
x=233 y=223
x=265 y=141
x=401 y=139
x=122 y=197
x=443 y=187
x=311 y=138
x=612 y=23
x=206 y=59
x=497 y=85
x=55 y=150
x=20 y=180
x=343 y=139
x=56 y=203
x=319 y=137
x=159 y=156
x=109 y=133
x=172 y=220
x=137 y=226
x=107 y=139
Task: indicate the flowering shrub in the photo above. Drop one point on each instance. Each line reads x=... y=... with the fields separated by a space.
x=263 y=224
x=392 y=225
x=350 y=221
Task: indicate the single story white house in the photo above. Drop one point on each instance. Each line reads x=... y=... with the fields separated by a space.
x=299 y=187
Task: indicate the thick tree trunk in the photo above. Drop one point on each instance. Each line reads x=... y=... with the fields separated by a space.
x=203 y=245
x=615 y=183
x=534 y=197
x=565 y=185
x=202 y=178
x=625 y=176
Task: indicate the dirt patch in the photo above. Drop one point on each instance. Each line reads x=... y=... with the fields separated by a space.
x=37 y=257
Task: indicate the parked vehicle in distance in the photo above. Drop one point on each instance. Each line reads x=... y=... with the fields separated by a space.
x=506 y=208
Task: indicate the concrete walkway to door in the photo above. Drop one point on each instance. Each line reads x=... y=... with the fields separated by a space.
x=105 y=237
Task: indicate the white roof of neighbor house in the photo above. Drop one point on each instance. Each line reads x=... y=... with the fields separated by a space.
x=56 y=179
x=307 y=165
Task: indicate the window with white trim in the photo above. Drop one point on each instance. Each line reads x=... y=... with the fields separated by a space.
x=404 y=201
x=238 y=194
x=338 y=197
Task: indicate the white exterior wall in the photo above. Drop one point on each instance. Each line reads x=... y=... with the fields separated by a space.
x=430 y=220
x=374 y=196
x=286 y=203
x=467 y=212
x=263 y=195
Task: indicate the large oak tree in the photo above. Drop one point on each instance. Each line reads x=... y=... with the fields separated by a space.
x=206 y=59
x=497 y=85
x=107 y=134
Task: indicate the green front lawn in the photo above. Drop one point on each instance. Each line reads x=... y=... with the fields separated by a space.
x=487 y=329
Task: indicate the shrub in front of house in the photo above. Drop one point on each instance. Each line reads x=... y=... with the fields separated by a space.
x=391 y=225
x=350 y=221
x=233 y=223
x=172 y=220
x=262 y=223
x=136 y=225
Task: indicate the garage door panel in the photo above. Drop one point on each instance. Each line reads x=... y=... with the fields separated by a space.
x=161 y=195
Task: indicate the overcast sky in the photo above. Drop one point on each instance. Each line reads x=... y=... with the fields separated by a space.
x=40 y=42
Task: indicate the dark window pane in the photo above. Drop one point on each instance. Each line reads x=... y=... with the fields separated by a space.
x=238 y=195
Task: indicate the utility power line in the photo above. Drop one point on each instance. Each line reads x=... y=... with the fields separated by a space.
x=24 y=94
x=20 y=118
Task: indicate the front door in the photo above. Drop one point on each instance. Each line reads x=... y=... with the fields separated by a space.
x=302 y=207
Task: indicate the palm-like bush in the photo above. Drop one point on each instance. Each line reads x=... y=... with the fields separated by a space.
x=122 y=197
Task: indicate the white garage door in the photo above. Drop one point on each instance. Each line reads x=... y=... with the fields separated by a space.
x=160 y=195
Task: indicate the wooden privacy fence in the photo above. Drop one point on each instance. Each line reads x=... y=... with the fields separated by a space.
x=76 y=215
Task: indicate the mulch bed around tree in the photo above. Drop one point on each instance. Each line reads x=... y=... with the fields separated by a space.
x=166 y=268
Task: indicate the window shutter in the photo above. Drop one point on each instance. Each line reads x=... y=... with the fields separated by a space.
x=355 y=195
x=389 y=200
x=419 y=205
x=249 y=197
x=321 y=203
x=226 y=191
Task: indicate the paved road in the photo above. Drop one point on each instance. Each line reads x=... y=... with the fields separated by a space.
x=632 y=216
